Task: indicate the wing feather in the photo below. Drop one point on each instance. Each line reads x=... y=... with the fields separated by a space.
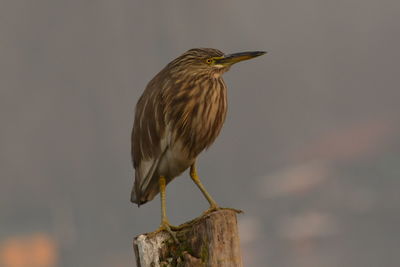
x=147 y=146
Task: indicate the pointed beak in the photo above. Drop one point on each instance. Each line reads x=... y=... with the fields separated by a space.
x=237 y=57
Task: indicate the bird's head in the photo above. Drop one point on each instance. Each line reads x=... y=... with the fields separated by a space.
x=210 y=61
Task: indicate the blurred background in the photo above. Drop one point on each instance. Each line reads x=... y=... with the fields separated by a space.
x=310 y=149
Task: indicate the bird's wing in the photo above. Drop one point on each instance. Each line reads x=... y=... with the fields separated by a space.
x=148 y=141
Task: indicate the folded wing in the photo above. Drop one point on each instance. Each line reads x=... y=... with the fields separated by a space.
x=148 y=145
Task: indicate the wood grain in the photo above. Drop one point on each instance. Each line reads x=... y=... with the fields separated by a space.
x=210 y=240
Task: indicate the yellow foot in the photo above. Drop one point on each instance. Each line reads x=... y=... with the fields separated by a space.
x=165 y=226
x=235 y=210
x=211 y=209
x=176 y=228
x=215 y=208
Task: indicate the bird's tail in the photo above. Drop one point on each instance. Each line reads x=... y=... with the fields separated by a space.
x=134 y=197
x=141 y=197
x=145 y=188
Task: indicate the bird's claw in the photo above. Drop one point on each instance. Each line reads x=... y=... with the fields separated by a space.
x=235 y=210
x=212 y=208
x=215 y=208
x=166 y=226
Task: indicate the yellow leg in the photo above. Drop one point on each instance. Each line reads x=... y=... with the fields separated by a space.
x=165 y=225
x=196 y=180
x=163 y=185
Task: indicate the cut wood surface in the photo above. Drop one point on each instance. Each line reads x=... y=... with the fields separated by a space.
x=210 y=240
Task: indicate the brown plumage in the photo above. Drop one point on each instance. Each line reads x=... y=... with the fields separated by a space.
x=180 y=113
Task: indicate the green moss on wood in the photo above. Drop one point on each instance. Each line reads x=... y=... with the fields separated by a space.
x=204 y=254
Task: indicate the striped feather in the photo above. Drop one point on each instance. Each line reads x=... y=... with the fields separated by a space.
x=180 y=113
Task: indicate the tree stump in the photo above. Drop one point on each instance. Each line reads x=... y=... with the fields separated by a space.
x=210 y=240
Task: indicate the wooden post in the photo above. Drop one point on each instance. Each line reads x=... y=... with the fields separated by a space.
x=210 y=240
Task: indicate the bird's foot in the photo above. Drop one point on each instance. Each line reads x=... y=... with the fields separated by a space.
x=166 y=226
x=212 y=208
x=235 y=210
x=216 y=207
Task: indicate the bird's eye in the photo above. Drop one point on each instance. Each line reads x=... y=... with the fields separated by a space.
x=209 y=60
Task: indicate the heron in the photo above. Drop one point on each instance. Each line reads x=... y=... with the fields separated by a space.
x=180 y=114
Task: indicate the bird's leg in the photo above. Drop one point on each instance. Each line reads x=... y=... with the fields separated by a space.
x=193 y=174
x=165 y=225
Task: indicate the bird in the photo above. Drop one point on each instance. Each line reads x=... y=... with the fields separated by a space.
x=180 y=114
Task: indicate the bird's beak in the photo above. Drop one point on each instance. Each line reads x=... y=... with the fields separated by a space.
x=237 y=57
